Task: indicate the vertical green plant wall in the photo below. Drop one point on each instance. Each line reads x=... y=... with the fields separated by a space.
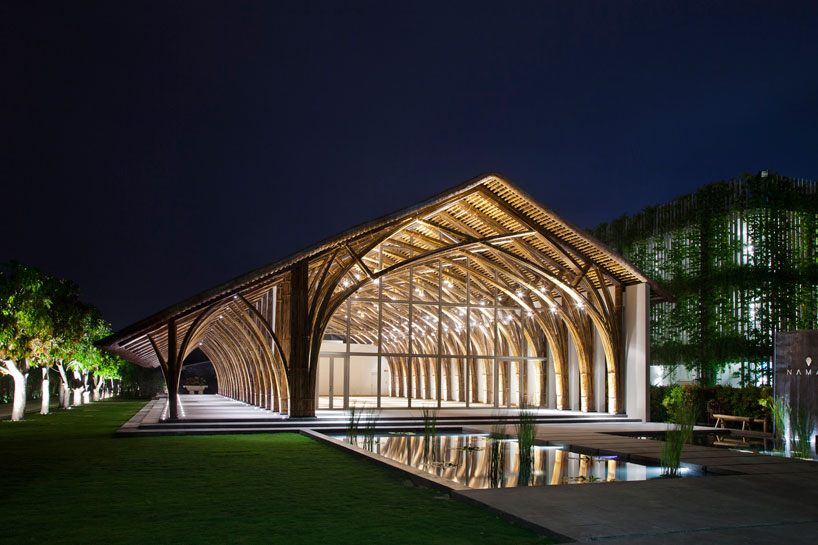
x=739 y=256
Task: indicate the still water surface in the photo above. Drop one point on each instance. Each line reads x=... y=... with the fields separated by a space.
x=478 y=461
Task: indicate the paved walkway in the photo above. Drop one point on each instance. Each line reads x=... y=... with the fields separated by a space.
x=759 y=499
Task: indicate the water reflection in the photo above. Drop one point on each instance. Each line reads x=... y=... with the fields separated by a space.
x=479 y=461
x=746 y=443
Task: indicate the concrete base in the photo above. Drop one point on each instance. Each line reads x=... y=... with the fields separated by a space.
x=216 y=414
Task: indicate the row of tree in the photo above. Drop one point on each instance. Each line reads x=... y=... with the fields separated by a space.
x=45 y=326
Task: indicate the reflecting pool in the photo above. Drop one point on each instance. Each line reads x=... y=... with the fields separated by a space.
x=480 y=461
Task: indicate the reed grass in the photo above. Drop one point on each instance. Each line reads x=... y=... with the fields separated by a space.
x=497 y=463
x=370 y=428
x=353 y=424
x=675 y=438
x=802 y=424
x=429 y=432
x=781 y=412
x=526 y=428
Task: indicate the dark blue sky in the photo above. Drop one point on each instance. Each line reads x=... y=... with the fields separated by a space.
x=151 y=150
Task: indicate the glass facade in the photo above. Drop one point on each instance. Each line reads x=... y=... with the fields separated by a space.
x=430 y=335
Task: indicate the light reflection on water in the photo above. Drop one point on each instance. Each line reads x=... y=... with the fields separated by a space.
x=478 y=461
x=741 y=443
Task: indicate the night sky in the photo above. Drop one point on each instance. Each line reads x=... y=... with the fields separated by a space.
x=151 y=150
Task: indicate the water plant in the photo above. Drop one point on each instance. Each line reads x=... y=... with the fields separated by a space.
x=582 y=479
x=526 y=428
x=370 y=428
x=497 y=463
x=498 y=431
x=802 y=424
x=429 y=432
x=353 y=424
x=429 y=421
x=781 y=413
x=676 y=436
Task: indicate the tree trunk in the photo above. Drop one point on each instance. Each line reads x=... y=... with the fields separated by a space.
x=78 y=391
x=19 y=407
x=46 y=392
x=98 y=384
x=86 y=394
x=65 y=397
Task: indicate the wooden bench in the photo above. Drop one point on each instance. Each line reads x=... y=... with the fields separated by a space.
x=745 y=421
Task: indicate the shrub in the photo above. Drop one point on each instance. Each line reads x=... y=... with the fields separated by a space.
x=726 y=399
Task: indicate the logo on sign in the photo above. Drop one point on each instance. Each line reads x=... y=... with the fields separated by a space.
x=805 y=372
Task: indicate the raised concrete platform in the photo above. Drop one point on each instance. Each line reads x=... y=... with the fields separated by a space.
x=215 y=414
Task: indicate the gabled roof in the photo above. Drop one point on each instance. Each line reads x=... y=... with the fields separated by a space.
x=512 y=198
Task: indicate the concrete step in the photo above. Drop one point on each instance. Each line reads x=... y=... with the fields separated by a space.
x=342 y=424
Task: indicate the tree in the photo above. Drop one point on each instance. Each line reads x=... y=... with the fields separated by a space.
x=24 y=326
x=106 y=369
x=88 y=360
x=69 y=318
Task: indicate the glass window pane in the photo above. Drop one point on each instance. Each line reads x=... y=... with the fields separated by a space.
x=454 y=330
x=425 y=282
x=363 y=325
x=481 y=331
x=368 y=291
x=396 y=286
x=453 y=286
x=424 y=329
x=396 y=393
x=509 y=331
x=480 y=293
x=395 y=332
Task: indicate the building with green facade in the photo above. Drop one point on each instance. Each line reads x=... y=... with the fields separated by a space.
x=740 y=258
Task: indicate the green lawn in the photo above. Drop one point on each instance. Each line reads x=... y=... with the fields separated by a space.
x=65 y=479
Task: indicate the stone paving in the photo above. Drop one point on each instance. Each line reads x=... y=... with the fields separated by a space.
x=759 y=499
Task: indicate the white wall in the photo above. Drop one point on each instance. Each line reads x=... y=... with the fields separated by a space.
x=637 y=349
x=363 y=370
x=323 y=376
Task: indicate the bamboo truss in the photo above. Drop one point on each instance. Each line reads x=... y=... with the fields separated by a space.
x=479 y=273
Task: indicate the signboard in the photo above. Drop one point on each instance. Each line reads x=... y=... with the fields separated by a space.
x=796 y=369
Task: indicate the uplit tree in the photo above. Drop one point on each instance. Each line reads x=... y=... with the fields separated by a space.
x=89 y=363
x=24 y=326
x=107 y=369
x=68 y=320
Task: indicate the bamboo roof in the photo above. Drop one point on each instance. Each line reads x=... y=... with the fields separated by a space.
x=487 y=209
